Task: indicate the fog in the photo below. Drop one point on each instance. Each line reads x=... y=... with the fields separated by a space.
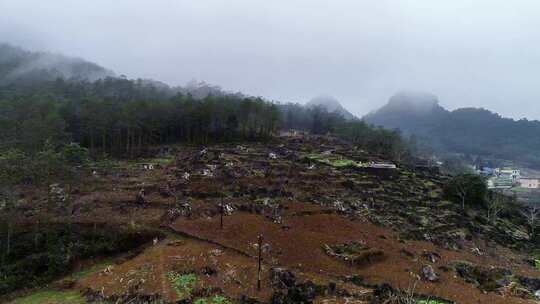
x=480 y=53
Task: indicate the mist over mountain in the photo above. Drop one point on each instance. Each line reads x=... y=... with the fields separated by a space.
x=21 y=66
x=411 y=112
x=472 y=131
x=330 y=104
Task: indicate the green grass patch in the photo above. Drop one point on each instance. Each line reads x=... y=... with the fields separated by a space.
x=429 y=184
x=537 y=264
x=183 y=284
x=213 y=300
x=90 y=270
x=333 y=160
x=520 y=190
x=161 y=161
x=52 y=297
x=430 y=302
x=434 y=194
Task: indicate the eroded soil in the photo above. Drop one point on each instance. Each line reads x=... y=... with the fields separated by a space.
x=300 y=208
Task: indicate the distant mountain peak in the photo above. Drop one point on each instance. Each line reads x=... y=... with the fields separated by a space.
x=408 y=111
x=471 y=131
x=413 y=101
x=331 y=104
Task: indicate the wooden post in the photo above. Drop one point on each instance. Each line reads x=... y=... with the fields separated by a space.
x=221 y=214
x=260 y=238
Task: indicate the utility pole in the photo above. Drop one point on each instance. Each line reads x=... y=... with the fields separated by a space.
x=260 y=238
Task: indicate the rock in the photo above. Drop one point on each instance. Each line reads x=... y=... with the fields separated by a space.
x=514 y=289
x=338 y=205
x=486 y=279
x=57 y=196
x=300 y=293
x=531 y=283
x=216 y=252
x=281 y=278
x=429 y=274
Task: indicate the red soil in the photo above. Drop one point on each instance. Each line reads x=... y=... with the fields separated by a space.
x=300 y=248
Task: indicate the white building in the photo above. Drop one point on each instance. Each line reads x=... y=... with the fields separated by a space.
x=530 y=183
x=513 y=174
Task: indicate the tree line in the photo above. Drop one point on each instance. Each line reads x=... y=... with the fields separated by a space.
x=121 y=117
x=117 y=117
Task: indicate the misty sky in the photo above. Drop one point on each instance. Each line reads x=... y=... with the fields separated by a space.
x=481 y=53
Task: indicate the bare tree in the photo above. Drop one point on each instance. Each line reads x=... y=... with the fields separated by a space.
x=8 y=204
x=461 y=193
x=466 y=189
x=495 y=204
x=531 y=214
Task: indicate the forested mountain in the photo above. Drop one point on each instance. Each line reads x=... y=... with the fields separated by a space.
x=470 y=131
x=24 y=67
x=119 y=116
x=411 y=112
x=330 y=104
x=116 y=116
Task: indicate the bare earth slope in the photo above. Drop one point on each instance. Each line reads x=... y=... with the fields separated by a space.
x=332 y=232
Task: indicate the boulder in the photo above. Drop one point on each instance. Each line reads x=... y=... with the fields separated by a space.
x=281 y=278
x=429 y=274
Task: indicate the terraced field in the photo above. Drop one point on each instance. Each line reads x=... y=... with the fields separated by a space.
x=331 y=231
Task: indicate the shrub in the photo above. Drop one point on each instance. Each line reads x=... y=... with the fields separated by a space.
x=75 y=155
x=183 y=284
x=466 y=189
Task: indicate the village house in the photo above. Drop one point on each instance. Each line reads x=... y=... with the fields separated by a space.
x=530 y=182
x=512 y=174
x=500 y=183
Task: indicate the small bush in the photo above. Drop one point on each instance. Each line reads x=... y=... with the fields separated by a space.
x=75 y=155
x=183 y=284
x=466 y=190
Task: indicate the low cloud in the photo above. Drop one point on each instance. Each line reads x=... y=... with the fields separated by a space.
x=468 y=53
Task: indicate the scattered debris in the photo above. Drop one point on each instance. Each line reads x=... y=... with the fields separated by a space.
x=207 y=173
x=476 y=251
x=216 y=252
x=429 y=274
x=108 y=270
x=281 y=278
x=148 y=166
x=228 y=209
x=355 y=253
x=57 y=196
x=175 y=243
